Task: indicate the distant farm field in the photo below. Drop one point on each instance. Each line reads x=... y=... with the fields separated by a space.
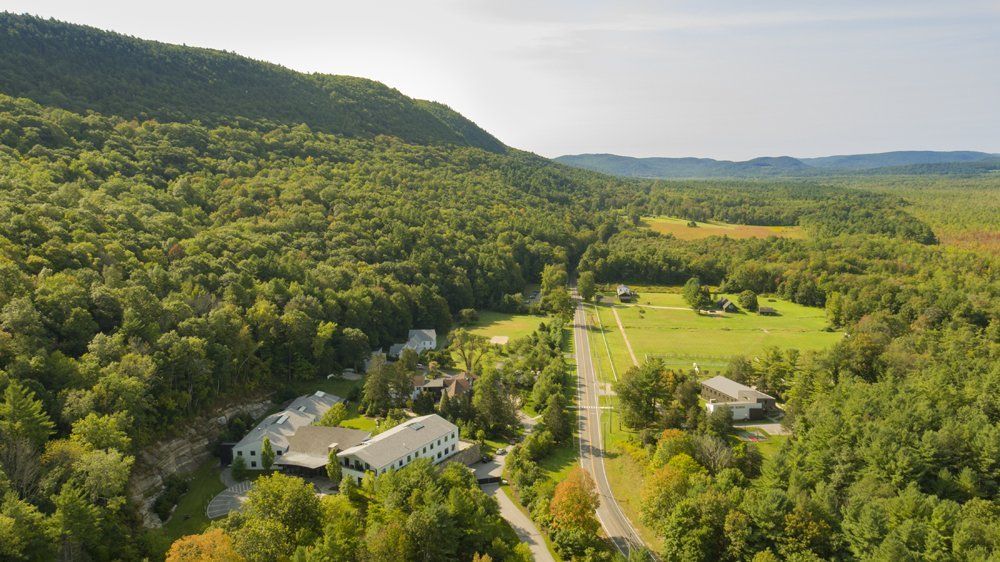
x=661 y=325
x=679 y=228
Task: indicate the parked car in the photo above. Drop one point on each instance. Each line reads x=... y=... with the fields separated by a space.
x=501 y=452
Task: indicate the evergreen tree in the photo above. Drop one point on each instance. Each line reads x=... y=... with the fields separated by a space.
x=239 y=469
x=22 y=417
x=333 y=470
x=266 y=454
x=493 y=404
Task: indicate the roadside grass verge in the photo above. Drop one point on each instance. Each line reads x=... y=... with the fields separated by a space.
x=624 y=474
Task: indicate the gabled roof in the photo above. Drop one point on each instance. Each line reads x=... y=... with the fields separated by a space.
x=315 y=404
x=734 y=389
x=425 y=335
x=458 y=386
x=278 y=427
x=407 y=437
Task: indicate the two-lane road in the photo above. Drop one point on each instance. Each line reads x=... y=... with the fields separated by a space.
x=616 y=524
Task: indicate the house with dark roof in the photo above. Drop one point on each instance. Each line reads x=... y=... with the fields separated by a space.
x=744 y=402
x=726 y=305
x=767 y=311
x=452 y=385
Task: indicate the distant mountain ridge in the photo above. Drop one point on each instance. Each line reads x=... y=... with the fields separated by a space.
x=909 y=161
x=81 y=68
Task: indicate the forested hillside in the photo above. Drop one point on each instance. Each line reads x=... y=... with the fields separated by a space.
x=150 y=268
x=914 y=162
x=182 y=227
x=81 y=68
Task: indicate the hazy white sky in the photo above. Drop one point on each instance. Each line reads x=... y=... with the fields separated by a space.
x=718 y=78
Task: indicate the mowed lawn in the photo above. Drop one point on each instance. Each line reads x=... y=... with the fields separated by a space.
x=189 y=517
x=513 y=326
x=681 y=337
x=679 y=228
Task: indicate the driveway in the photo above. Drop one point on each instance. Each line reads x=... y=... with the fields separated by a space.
x=490 y=469
x=522 y=525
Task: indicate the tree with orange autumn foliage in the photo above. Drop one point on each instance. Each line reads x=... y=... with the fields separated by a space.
x=574 y=503
x=213 y=545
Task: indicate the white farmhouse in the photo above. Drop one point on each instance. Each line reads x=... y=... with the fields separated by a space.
x=428 y=437
x=417 y=340
x=422 y=340
x=281 y=426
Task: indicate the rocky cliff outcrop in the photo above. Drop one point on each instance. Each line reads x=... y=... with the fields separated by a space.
x=182 y=454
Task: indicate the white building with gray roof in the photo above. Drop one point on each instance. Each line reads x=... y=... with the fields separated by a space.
x=417 y=340
x=430 y=437
x=279 y=427
x=743 y=401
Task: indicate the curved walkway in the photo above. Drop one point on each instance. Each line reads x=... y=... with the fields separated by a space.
x=230 y=499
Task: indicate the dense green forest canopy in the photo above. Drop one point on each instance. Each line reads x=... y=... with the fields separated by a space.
x=823 y=209
x=81 y=68
x=162 y=251
x=150 y=269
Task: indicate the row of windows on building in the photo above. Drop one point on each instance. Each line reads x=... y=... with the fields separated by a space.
x=448 y=449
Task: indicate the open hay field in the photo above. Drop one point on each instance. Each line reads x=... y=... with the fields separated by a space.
x=680 y=229
x=662 y=325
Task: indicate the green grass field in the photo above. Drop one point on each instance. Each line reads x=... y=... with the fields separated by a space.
x=682 y=337
x=189 y=517
x=679 y=228
x=513 y=326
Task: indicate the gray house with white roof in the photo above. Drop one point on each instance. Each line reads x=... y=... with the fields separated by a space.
x=281 y=426
x=429 y=437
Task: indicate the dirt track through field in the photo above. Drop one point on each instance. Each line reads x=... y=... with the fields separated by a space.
x=621 y=328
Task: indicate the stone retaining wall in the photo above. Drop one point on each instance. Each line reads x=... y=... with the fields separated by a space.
x=182 y=454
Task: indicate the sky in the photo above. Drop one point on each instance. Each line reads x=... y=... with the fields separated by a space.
x=731 y=79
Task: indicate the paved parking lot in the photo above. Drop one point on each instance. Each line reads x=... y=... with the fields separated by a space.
x=230 y=499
